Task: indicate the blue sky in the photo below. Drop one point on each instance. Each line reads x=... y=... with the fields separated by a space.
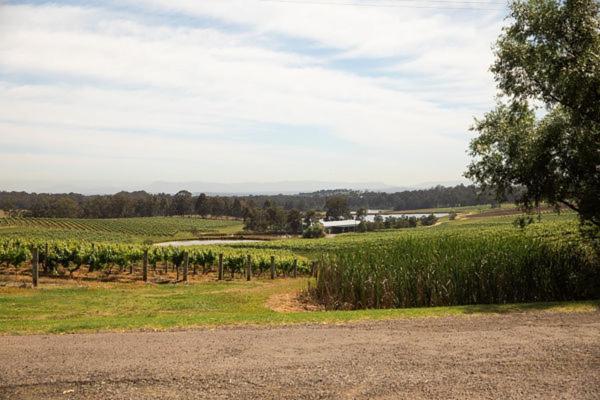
x=135 y=91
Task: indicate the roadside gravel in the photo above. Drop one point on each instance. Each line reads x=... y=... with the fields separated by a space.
x=533 y=355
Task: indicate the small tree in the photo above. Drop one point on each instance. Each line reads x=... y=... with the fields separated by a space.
x=294 y=221
x=361 y=213
x=316 y=230
x=310 y=217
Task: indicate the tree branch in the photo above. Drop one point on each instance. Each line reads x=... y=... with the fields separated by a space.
x=571 y=206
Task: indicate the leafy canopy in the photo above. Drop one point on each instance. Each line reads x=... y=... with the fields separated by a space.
x=543 y=137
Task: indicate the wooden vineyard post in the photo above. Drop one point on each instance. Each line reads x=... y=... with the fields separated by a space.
x=272 y=267
x=90 y=264
x=194 y=269
x=249 y=268
x=313 y=269
x=46 y=258
x=295 y=268
x=220 y=267
x=34 y=266
x=166 y=266
x=186 y=264
x=145 y=266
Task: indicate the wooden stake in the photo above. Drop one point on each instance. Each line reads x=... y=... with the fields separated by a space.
x=186 y=264
x=272 y=267
x=145 y=266
x=295 y=268
x=34 y=266
x=249 y=268
x=46 y=258
x=220 y=267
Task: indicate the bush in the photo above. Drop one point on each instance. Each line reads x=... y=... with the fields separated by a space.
x=428 y=220
x=315 y=230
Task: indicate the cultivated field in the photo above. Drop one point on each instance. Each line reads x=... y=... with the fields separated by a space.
x=98 y=284
x=119 y=230
x=470 y=308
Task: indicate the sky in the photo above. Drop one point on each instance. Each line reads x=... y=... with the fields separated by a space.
x=129 y=92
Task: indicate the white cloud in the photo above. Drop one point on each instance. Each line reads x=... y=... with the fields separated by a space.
x=107 y=78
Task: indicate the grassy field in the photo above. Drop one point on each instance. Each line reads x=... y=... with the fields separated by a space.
x=464 y=209
x=102 y=307
x=86 y=304
x=121 y=230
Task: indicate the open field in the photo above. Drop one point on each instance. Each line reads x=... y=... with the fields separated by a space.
x=106 y=291
x=120 y=230
x=532 y=355
x=464 y=209
x=271 y=339
x=88 y=307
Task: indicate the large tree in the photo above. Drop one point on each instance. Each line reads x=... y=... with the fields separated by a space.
x=543 y=137
x=202 y=206
x=336 y=208
x=182 y=203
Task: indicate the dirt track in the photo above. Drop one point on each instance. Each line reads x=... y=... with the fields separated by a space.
x=531 y=355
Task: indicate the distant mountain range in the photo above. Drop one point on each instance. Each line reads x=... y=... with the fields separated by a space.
x=283 y=187
x=215 y=188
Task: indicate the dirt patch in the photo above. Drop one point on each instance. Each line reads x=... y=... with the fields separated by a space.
x=291 y=302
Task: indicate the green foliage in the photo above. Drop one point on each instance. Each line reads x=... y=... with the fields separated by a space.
x=315 y=230
x=272 y=219
x=108 y=307
x=428 y=220
x=473 y=267
x=389 y=222
x=72 y=255
x=112 y=230
x=549 y=54
x=182 y=203
x=336 y=207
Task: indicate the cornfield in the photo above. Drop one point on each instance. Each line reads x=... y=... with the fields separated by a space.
x=473 y=267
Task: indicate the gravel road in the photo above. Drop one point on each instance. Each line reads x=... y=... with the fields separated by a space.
x=531 y=355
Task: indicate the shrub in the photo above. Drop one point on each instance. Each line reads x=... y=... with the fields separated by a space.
x=316 y=230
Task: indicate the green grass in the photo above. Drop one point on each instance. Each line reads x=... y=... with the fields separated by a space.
x=63 y=308
x=558 y=225
x=462 y=209
x=119 y=307
x=118 y=230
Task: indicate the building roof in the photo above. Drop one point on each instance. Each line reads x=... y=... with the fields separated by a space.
x=345 y=223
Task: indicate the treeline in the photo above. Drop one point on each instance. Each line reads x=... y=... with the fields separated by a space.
x=143 y=204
